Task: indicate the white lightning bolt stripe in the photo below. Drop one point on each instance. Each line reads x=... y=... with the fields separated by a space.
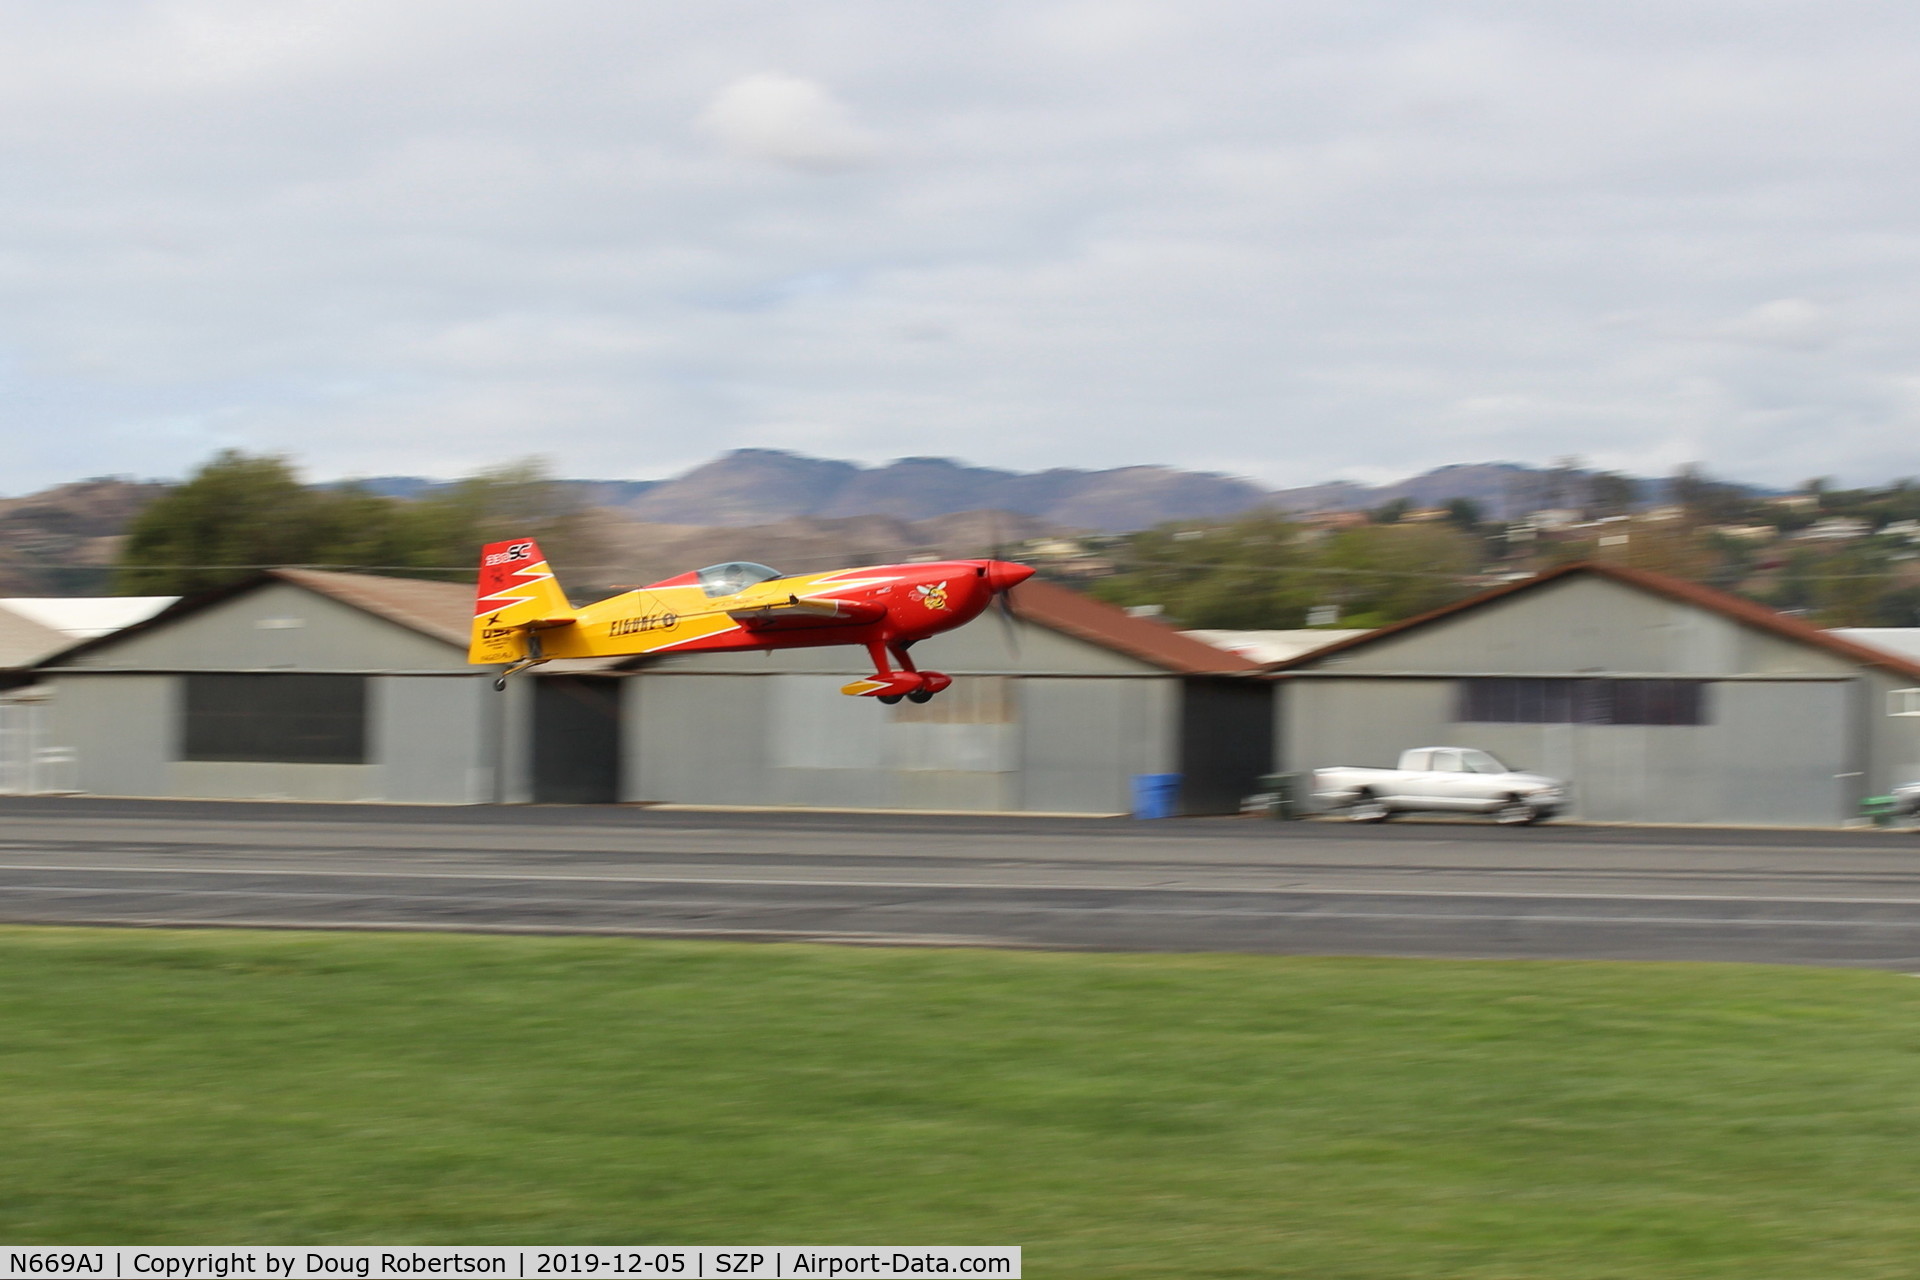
x=846 y=584
x=675 y=644
x=529 y=578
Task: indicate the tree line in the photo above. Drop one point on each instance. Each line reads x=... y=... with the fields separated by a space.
x=239 y=513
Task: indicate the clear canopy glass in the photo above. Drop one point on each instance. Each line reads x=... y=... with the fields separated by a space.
x=733 y=576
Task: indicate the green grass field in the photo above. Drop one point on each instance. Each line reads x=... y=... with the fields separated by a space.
x=1115 y=1115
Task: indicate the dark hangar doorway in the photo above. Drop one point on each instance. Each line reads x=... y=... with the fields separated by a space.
x=576 y=740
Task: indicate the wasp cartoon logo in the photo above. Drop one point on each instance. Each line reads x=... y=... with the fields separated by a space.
x=933 y=596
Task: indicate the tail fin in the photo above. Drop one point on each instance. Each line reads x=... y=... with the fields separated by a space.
x=517 y=596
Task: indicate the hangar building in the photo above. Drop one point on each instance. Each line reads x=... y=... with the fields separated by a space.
x=1661 y=700
x=302 y=684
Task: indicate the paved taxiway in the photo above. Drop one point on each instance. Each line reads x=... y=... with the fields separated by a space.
x=1405 y=888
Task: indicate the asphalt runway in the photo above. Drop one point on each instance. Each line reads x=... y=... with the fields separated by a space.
x=1439 y=888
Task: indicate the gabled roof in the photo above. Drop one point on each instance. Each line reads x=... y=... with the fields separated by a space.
x=24 y=641
x=1097 y=622
x=444 y=611
x=1901 y=642
x=440 y=610
x=84 y=617
x=1732 y=607
x=1264 y=647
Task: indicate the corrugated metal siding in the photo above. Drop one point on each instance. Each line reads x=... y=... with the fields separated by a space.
x=434 y=739
x=248 y=780
x=971 y=728
x=122 y=730
x=1085 y=739
x=797 y=740
x=1781 y=749
x=1589 y=625
x=1361 y=722
x=1896 y=739
x=431 y=741
x=774 y=728
x=1053 y=745
x=1769 y=753
x=701 y=740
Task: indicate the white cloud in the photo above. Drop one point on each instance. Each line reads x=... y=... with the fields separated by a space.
x=1795 y=323
x=788 y=121
x=1296 y=241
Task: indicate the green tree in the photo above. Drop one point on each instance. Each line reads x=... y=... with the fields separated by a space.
x=240 y=513
x=1464 y=514
x=1264 y=572
x=1706 y=500
x=1242 y=576
x=235 y=514
x=1392 y=572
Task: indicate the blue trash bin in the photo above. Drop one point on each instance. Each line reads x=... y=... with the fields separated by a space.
x=1155 y=795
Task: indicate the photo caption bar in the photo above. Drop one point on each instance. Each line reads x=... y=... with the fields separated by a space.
x=516 y=1262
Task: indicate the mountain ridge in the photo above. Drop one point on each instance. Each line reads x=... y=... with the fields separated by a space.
x=752 y=487
x=761 y=486
x=810 y=509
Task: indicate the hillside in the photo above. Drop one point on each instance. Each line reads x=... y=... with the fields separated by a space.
x=61 y=540
x=636 y=552
x=800 y=512
x=757 y=486
x=760 y=486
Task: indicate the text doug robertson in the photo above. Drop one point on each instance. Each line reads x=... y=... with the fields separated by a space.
x=316 y=1264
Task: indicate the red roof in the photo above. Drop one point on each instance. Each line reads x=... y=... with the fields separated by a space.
x=1732 y=607
x=1071 y=613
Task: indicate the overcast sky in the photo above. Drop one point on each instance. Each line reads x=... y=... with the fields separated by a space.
x=1296 y=241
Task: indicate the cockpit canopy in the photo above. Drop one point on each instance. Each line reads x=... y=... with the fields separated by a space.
x=732 y=577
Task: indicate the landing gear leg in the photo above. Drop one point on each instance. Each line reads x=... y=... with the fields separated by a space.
x=533 y=659
x=884 y=674
x=889 y=685
x=931 y=682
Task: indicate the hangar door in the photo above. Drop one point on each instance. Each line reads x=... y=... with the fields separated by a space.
x=1742 y=752
x=576 y=740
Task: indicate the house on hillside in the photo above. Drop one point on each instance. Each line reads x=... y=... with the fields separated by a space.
x=1661 y=700
x=301 y=684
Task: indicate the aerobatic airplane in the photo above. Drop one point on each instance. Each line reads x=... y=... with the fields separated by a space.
x=522 y=619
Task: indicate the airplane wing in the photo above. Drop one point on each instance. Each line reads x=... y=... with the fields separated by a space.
x=799 y=611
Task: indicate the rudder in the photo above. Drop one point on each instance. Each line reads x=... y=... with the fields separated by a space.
x=518 y=594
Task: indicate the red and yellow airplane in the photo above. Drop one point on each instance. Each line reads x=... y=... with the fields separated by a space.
x=521 y=618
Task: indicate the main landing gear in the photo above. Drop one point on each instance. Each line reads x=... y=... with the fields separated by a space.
x=888 y=685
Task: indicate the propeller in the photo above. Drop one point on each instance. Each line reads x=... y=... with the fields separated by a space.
x=1003 y=599
x=1009 y=619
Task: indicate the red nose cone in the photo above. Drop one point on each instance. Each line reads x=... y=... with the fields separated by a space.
x=1002 y=574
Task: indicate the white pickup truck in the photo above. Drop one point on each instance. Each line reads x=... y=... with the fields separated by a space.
x=1440 y=780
